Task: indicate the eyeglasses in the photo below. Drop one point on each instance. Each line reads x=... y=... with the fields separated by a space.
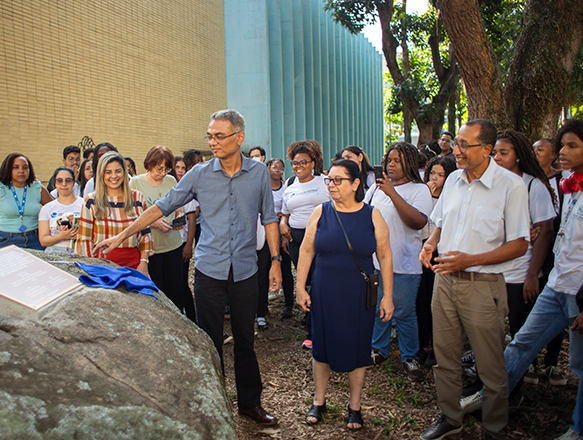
x=302 y=162
x=60 y=181
x=218 y=137
x=463 y=146
x=337 y=180
x=277 y=169
x=160 y=170
x=73 y=159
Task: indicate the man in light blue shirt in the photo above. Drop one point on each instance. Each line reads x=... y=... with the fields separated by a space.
x=231 y=190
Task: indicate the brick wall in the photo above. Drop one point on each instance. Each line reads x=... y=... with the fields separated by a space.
x=134 y=73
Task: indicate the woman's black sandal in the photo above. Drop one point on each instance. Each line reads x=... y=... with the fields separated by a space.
x=316 y=412
x=354 y=417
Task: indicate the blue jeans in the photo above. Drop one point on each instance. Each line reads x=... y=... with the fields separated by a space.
x=405 y=289
x=552 y=312
x=26 y=240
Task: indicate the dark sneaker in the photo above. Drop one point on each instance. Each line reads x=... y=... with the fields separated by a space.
x=376 y=358
x=468 y=359
x=472 y=388
x=287 y=312
x=441 y=429
x=555 y=376
x=412 y=370
x=530 y=376
x=430 y=361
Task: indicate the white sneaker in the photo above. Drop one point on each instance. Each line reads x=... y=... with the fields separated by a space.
x=471 y=403
x=570 y=435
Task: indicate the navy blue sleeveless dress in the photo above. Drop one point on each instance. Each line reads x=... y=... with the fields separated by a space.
x=341 y=324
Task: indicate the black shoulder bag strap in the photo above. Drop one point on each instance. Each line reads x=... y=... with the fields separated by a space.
x=362 y=272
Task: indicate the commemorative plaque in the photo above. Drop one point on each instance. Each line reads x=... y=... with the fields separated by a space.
x=29 y=284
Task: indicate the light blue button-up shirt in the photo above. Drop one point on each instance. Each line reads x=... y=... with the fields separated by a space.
x=229 y=208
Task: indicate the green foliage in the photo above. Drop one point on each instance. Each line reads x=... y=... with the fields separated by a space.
x=353 y=15
x=503 y=20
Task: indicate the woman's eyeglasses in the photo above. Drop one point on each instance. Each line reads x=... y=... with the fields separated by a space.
x=337 y=180
x=303 y=162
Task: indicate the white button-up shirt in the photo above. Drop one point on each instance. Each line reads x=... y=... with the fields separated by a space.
x=483 y=215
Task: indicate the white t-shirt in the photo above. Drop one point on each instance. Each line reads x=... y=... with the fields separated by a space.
x=405 y=242
x=567 y=275
x=482 y=215
x=89 y=187
x=370 y=179
x=76 y=191
x=300 y=200
x=53 y=211
x=540 y=207
x=189 y=208
x=278 y=197
x=430 y=226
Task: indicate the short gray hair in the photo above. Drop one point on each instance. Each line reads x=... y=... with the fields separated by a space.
x=233 y=116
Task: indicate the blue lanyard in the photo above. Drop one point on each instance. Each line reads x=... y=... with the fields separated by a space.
x=19 y=206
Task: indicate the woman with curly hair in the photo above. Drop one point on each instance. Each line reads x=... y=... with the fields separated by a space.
x=405 y=203
x=357 y=154
x=21 y=197
x=305 y=190
x=526 y=280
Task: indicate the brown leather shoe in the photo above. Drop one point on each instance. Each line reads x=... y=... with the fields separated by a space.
x=259 y=415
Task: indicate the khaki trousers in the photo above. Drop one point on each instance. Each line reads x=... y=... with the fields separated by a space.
x=479 y=308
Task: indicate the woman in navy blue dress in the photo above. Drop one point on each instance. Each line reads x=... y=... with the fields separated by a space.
x=341 y=324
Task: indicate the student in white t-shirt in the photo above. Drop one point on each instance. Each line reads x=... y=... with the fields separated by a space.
x=405 y=203
x=525 y=280
x=304 y=192
x=55 y=232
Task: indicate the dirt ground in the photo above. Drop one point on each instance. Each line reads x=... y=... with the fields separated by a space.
x=393 y=407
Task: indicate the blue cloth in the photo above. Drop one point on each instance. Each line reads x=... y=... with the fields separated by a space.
x=405 y=287
x=109 y=277
x=229 y=208
x=552 y=312
x=341 y=324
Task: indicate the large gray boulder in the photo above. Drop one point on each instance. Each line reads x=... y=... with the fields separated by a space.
x=109 y=364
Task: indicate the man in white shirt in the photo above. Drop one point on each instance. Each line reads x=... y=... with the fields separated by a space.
x=482 y=224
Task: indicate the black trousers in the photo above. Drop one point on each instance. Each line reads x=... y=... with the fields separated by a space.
x=423 y=305
x=288 y=279
x=294 y=253
x=166 y=271
x=211 y=299
x=263 y=264
x=187 y=297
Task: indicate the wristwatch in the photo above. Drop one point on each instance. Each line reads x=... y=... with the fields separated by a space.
x=276 y=258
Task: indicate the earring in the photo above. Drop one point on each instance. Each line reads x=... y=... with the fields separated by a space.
x=517 y=160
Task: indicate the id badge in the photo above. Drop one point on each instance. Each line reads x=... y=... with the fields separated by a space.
x=22 y=228
x=558 y=241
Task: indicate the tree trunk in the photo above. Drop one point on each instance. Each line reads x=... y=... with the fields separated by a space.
x=451 y=114
x=448 y=78
x=476 y=60
x=540 y=71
